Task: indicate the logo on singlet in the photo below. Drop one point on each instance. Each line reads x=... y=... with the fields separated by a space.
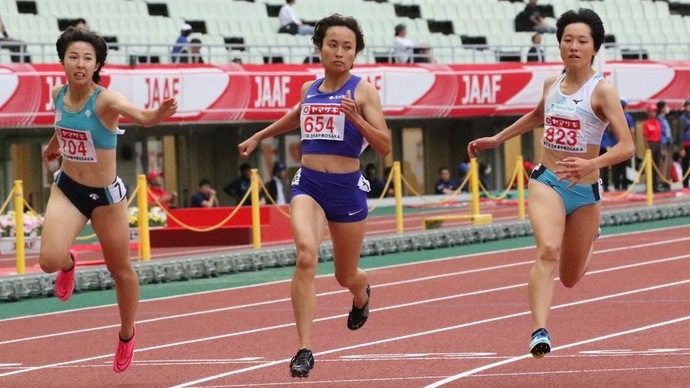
x=576 y=101
x=94 y=196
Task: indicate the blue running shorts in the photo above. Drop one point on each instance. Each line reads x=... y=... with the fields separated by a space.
x=343 y=197
x=574 y=197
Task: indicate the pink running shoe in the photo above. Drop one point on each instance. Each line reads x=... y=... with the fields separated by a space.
x=64 y=283
x=124 y=354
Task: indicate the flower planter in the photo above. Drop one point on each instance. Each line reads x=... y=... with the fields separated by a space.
x=8 y=245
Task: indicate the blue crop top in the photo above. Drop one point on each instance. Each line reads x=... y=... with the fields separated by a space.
x=325 y=130
x=80 y=133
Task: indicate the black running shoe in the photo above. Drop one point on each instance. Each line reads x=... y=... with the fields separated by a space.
x=358 y=316
x=302 y=363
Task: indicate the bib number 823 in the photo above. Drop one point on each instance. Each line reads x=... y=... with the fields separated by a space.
x=560 y=136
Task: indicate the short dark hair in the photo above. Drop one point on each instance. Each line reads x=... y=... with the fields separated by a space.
x=336 y=20
x=586 y=16
x=74 y=34
x=245 y=166
x=204 y=181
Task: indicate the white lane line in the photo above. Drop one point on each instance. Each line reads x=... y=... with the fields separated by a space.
x=584 y=342
x=413 y=280
x=455 y=327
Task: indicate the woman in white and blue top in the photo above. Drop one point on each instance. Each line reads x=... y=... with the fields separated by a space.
x=565 y=189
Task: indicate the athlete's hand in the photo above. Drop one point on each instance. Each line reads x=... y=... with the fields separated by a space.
x=167 y=108
x=484 y=143
x=247 y=147
x=573 y=169
x=52 y=153
x=349 y=107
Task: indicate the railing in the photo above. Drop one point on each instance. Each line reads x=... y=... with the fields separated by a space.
x=132 y=54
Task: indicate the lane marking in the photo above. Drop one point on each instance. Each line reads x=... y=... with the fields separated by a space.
x=455 y=327
x=584 y=342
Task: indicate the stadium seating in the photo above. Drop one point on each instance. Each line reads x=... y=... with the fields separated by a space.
x=143 y=34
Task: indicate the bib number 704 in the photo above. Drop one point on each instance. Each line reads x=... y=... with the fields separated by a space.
x=318 y=124
x=73 y=147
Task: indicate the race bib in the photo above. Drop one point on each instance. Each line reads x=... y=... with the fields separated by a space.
x=563 y=133
x=322 y=122
x=76 y=146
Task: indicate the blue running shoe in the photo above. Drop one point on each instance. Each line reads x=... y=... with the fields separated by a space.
x=541 y=343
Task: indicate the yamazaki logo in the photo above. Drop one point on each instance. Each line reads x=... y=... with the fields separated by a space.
x=562 y=123
x=321 y=109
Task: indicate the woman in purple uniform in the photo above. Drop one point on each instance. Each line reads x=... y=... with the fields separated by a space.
x=339 y=115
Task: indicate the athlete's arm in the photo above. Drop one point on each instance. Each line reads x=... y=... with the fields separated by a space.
x=366 y=114
x=286 y=123
x=524 y=124
x=115 y=104
x=606 y=102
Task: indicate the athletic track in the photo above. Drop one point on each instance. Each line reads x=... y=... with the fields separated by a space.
x=460 y=321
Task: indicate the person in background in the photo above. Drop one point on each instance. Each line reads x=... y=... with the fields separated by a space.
x=87 y=186
x=651 y=129
x=684 y=131
x=565 y=189
x=205 y=196
x=239 y=187
x=618 y=171
x=16 y=46
x=536 y=51
x=376 y=185
x=181 y=43
x=276 y=186
x=402 y=46
x=288 y=17
x=192 y=53
x=536 y=20
x=662 y=111
x=329 y=191
x=158 y=192
x=444 y=185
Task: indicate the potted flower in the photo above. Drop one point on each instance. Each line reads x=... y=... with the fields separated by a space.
x=157 y=219
x=33 y=225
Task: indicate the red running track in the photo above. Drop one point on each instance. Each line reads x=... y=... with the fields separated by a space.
x=458 y=322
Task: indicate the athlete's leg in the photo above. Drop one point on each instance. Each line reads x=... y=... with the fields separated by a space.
x=547 y=217
x=112 y=228
x=62 y=223
x=576 y=254
x=308 y=227
x=347 y=240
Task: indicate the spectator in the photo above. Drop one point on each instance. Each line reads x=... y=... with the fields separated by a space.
x=275 y=187
x=16 y=46
x=666 y=142
x=619 y=171
x=402 y=46
x=192 y=53
x=290 y=23
x=205 y=196
x=181 y=43
x=534 y=19
x=536 y=51
x=422 y=54
x=676 y=167
x=376 y=185
x=157 y=191
x=239 y=187
x=684 y=131
x=652 y=135
x=444 y=185
x=391 y=188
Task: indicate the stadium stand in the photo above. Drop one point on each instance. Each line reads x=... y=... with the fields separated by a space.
x=459 y=31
